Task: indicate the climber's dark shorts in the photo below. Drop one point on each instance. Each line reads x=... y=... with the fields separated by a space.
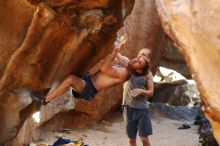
x=137 y=120
x=89 y=91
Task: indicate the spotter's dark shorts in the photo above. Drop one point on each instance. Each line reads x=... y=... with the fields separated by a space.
x=89 y=91
x=137 y=120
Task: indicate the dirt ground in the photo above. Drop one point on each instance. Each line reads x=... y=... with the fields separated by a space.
x=112 y=133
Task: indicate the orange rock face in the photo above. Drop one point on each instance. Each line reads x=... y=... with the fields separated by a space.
x=194 y=28
x=41 y=41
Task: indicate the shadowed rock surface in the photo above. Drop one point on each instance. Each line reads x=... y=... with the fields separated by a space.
x=42 y=41
x=194 y=28
x=175 y=112
x=172 y=59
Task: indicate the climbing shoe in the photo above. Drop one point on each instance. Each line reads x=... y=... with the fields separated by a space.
x=40 y=96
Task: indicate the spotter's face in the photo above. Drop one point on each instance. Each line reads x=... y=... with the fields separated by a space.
x=145 y=53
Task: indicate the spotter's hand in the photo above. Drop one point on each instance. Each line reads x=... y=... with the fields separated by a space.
x=136 y=92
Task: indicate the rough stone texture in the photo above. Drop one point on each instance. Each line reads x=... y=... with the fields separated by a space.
x=176 y=93
x=185 y=113
x=86 y=112
x=172 y=59
x=33 y=131
x=41 y=43
x=194 y=28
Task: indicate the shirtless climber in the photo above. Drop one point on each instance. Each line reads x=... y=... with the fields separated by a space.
x=115 y=69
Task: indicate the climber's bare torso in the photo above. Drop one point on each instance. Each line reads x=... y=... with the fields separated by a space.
x=102 y=80
x=119 y=73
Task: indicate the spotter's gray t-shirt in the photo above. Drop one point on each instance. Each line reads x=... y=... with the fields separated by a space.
x=139 y=102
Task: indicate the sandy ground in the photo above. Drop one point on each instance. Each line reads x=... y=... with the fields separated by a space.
x=166 y=133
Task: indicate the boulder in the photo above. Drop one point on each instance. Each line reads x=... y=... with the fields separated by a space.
x=42 y=41
x=173 y=88
x=182 y=113
x=167 y=75
x=194 y=28
x=176 y=93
